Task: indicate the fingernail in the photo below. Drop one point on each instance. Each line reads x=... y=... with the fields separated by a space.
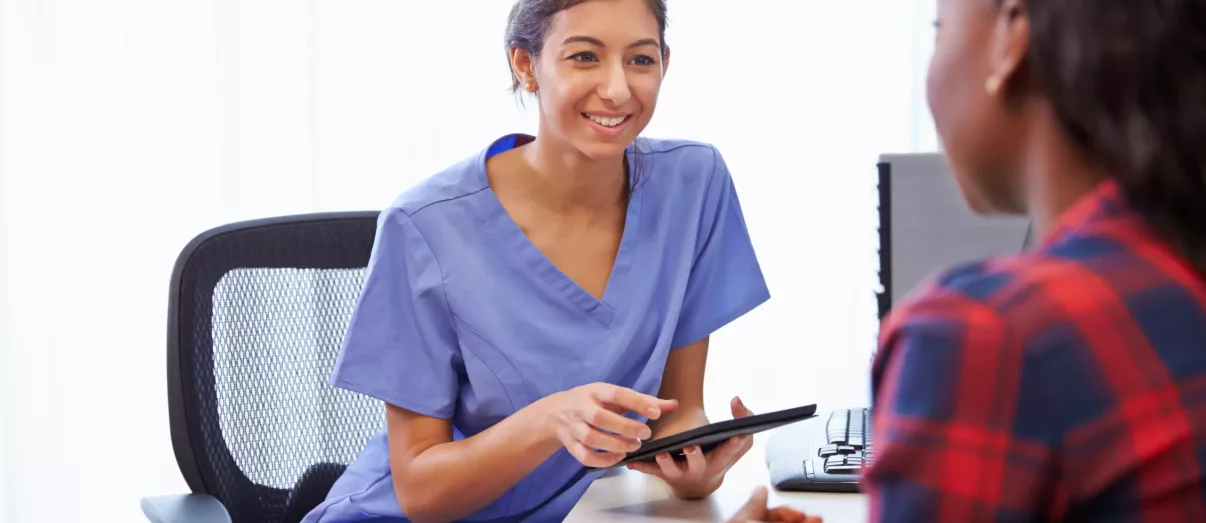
x=653 y=412
x=646 y=434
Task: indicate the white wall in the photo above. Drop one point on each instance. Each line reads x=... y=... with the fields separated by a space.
x=127 y=127
x=924 y=12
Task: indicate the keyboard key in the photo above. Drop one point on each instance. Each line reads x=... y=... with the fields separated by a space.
x=827 y=450
x=840 y=466
x=838 y=429
x=833 y=461
x=835 y=427
x=838 y=420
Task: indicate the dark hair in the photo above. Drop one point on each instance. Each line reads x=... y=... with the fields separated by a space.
x=528 y=26
x=1127 y=81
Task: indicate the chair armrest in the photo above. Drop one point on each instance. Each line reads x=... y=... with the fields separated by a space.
x=187 y=508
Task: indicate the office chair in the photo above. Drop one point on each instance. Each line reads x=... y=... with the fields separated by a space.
x=256 y=315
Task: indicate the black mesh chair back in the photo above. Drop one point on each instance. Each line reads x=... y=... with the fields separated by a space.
x=256 y=316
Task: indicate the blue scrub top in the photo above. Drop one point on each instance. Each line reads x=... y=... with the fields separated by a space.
x=463 y=318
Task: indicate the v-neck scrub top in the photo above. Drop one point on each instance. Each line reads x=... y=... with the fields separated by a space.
x=461 y=317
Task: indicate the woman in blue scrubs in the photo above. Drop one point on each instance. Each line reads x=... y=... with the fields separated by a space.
x=544 y=305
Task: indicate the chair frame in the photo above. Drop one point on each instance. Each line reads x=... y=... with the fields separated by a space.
x=183 y=392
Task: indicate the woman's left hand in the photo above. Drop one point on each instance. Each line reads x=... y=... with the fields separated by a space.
x=700 y=474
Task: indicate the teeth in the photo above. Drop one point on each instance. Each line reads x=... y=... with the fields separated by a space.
x=608 y=122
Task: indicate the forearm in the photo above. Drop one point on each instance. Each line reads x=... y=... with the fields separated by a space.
x=452 y=480
x=682 y=381
x=681 y=420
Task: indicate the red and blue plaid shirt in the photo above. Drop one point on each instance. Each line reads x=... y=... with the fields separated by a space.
x=1067 y=383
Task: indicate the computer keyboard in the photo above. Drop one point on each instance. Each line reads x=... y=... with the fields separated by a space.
x=825 y=454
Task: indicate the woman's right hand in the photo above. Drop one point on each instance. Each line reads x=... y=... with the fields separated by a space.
x=587 y=421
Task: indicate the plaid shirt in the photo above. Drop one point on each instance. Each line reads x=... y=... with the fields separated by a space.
x=1067 y=383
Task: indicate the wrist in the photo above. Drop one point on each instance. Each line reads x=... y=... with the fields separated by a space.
x=696 y=492
x=539 y=424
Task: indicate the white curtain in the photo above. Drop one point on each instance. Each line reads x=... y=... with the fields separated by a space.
x=129 y=126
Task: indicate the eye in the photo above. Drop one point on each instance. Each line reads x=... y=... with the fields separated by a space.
x=644 y=60
x=585 y=56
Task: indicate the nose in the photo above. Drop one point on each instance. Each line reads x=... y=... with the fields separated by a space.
x=615 y=85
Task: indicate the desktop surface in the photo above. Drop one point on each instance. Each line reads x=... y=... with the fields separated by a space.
x=629 y=496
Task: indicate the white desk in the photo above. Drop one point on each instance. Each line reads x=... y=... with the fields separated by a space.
x=631 y=496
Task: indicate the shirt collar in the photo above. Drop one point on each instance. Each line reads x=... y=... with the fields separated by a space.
x=1103 y=201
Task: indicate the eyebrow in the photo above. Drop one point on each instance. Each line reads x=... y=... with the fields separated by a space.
x=599 y=43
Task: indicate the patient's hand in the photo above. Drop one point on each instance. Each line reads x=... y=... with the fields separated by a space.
x=756 y=511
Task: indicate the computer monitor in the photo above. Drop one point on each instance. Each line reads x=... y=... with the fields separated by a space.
x=925 y=225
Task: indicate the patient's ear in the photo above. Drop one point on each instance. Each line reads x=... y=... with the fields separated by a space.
x=1010 y=47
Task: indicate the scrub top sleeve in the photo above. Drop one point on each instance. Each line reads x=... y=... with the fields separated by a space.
x=400 y=346
x=726 y=281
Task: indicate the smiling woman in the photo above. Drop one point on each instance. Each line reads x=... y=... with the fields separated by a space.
x=582 y=60
x=531 y=312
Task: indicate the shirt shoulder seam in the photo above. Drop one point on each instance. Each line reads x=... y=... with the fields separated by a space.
x=411 y=214
x=435 y=259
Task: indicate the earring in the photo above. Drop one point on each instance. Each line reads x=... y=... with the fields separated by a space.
x=531 y=86
x=992 y=85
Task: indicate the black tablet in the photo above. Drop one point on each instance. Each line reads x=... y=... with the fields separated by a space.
x=710 y=436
